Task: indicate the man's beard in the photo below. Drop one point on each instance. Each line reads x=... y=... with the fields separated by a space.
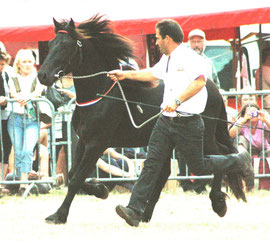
x=200 y=51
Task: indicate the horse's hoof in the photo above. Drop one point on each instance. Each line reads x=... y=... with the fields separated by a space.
x=102 y=191
x=221 y=212
x=56 y=219
x=219 y=205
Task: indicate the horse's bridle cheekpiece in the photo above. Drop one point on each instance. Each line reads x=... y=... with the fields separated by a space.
x=79 y=45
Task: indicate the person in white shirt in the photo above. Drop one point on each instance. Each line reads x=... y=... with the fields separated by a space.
x=197 y=42
x=179 y=125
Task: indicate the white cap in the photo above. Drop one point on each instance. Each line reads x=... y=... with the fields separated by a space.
x=196 y=32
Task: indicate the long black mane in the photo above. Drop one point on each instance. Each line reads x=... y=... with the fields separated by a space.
x=112 y=46
x=99 y=31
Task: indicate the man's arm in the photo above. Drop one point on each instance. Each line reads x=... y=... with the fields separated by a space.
x=192 y=90
x=139 y=75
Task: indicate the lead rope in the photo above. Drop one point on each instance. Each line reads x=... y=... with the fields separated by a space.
x=123 y=96
x=129 y=112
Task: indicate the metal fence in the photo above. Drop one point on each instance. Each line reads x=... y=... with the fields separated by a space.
x=52 y=160
x=262 y=162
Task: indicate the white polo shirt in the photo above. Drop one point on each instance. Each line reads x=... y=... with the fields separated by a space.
x=185 y=66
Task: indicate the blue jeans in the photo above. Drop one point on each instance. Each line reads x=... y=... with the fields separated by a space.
x=23 y=133
x=187 y=135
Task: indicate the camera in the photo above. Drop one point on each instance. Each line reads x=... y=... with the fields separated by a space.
x=254 y=113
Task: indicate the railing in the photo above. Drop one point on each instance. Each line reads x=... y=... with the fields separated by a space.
x=138 y=164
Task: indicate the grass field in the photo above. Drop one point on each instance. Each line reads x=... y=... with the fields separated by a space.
x=178 y=216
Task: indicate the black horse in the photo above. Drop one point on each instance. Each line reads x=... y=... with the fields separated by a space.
x=91 y=50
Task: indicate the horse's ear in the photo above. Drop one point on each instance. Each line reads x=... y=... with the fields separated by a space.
x=56 y=25
x=71 y=23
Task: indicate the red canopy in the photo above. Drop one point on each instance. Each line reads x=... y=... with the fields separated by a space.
x=216 y=25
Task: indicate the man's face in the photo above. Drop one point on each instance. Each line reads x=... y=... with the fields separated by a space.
x=162 y=43
x=197 y=44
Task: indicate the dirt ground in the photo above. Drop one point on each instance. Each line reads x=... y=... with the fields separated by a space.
x=178 y=216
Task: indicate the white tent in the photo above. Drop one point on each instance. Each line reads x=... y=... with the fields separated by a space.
x=37 y=12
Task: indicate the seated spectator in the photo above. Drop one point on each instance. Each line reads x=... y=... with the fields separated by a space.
x=117 y=165
x=132 y=153
x=5 y=111
x=249 y=130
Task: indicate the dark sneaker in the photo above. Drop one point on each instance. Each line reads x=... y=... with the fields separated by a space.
x=129 y=215
x=245 y=164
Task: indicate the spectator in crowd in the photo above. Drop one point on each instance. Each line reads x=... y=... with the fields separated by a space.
x=5 y=111
x=262 y=75
x=249 y=130
x=117 y=165
x=23 y=123
x=7 y=68
x=197 y=42
x=247 y=99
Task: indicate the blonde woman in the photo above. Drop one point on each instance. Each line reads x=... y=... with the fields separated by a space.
x=22 y=125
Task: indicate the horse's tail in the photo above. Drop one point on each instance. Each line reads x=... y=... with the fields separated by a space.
x=223 y=137
x=236 y=184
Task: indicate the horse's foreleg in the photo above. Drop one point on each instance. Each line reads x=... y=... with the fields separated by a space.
x=80 y=147
x=94 y=188
x=218 y=198
x=161 y=181
x=85 y=166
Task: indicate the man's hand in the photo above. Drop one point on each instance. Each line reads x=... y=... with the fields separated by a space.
x=116 y=75
x=171 y=107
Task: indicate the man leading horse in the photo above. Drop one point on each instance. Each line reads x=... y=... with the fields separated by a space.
x=180 y=124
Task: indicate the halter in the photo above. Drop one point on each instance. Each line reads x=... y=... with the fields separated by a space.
x=61 y=73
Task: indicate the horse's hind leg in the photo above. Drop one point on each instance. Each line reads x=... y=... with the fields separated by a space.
x=86 y=165
x=161 y=181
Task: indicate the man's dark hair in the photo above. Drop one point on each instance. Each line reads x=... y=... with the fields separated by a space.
x=171 y=28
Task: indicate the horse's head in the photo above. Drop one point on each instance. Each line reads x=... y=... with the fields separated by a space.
x=88 y=48
x=64 y=53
